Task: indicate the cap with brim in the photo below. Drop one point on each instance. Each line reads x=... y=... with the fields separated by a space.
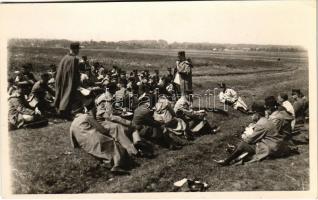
x=75 y=45
x=88 y=102
x=26 y=66
x=143 y=98
x=181 y=53
x=270 y=102
x=296 y=91
x=222 y=85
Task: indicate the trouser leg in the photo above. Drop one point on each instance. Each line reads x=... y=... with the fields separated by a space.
x=241 y=148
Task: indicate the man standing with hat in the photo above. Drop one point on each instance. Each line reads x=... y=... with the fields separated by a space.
x=67 y=82
x=184 y=73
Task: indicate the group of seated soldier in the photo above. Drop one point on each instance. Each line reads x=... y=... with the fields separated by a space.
x=30 y=100
x=124 y=114
x=39 y=94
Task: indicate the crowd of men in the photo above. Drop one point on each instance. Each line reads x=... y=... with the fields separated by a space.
x=116 y=115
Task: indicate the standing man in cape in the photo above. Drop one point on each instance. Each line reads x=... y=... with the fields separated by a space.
x=67 y=81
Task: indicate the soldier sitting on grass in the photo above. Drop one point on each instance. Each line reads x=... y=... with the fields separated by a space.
x=149 y=128
x=95 y=139
x=230 y=97
x=300 y=105
x=21 y=114
x=37 y=97
x=196 y=120
x=265 y=140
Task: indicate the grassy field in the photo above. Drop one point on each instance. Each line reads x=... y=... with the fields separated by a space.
x=43 y=160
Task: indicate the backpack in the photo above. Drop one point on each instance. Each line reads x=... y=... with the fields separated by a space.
x=163 y=113
x=184 y=67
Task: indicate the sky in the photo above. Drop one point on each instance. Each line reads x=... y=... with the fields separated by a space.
x=257 y=22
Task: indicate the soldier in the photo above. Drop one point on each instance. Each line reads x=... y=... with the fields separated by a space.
x=184 y=73
x=230 y=97
x=38 y=94
x=67 y=82
x=99 y=141
x=25 y=79
x=265 y=140
x=284 y=102
x=52 y=73
x=170 y=75
x=150 y=129
x=20 y=113
x=300 y=105
x=156 y=77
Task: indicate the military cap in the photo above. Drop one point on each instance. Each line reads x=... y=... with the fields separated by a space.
x=222 y=85
x=88 y=102
x=75 y=45
x=270 y=102
x=27 y=66
x=52 y=66
x=296 y=91
x=284 y=96
x=181 y=54
x=258 y=107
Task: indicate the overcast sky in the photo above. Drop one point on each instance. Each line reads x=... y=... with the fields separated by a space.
x=260 y=22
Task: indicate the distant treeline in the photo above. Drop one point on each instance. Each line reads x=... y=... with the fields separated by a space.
x=152 y=44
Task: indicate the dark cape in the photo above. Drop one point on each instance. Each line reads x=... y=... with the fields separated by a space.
x=67 y=82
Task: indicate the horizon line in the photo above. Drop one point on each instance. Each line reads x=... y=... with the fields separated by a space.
x=224 y=43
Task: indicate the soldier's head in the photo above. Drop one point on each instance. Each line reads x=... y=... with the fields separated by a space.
x=144 y=100
x=271 y=104
x=18 y=92
x=151 y=79
x=89 y=105
x=84 y=58
x=222 y=86
x=52 y=68
x=169 y=70
x=101 y=71
x=144 y=79
x=123 y=75
x=296 y=94
x=120 y=84
x=75 y=47
x=45 y=77
x=282 y=97
x=259 y=110
x=181 y=56
x=27 y=68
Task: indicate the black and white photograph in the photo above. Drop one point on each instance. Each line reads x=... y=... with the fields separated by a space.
x=159 y=98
